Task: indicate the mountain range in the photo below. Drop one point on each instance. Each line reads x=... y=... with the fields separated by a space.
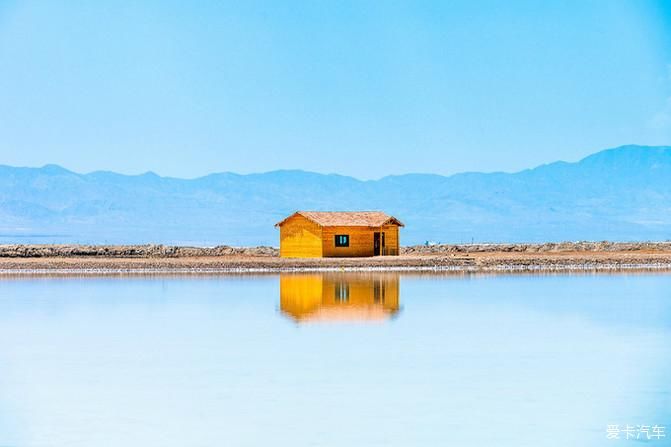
x=616 y=194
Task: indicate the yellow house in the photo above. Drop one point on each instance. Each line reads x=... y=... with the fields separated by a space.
x=316 y=234
x=337 y=297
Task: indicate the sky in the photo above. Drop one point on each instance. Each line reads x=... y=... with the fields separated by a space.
x=366 y=89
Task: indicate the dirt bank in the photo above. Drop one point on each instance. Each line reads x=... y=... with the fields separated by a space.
x=129 y=251
x=71 y=259
x=548 y=247
x=171 y=251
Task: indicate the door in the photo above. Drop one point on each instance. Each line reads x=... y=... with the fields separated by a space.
x=378 y=291
x=376 y=244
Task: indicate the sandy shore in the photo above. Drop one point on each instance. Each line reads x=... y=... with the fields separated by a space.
x=79 y=260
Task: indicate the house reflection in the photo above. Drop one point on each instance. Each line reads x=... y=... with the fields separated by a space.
x=339 y=297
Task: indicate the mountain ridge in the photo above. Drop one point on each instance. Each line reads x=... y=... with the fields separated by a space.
x=666 y=150
x=621 y=193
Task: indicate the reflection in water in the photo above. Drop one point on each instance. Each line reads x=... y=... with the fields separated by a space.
x=339 y=297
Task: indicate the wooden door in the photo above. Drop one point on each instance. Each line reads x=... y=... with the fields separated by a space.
x=376 y=244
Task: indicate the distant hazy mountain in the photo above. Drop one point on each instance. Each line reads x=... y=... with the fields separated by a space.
x=622 y=193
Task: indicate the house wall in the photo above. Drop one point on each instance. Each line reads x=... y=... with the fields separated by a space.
x=391 y=240
x=360 y=241
x=300 y=238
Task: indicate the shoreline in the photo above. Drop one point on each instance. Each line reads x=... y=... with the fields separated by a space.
x=503 y=270
x=495 y=262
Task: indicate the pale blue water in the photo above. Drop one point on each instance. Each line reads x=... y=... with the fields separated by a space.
x=466 y=361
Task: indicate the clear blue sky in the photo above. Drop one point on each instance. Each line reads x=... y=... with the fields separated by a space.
x=358 y=88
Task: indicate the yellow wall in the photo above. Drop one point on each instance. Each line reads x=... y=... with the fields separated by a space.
x=360 y=241
x=300 y=294
x=300 y=238
x=306 y=297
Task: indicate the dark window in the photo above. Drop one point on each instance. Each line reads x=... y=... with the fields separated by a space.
x=342 y=240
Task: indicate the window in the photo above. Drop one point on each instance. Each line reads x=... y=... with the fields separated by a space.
x=342 y=240
x=341 y=292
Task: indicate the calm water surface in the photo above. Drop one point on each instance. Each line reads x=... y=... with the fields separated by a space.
x=333 y=360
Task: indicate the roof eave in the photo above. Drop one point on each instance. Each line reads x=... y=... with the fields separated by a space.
x=392 y=220
x=395 y=221
x=297 y=213
x=279 y=224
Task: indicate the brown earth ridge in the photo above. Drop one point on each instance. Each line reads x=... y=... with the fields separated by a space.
x=119 y=259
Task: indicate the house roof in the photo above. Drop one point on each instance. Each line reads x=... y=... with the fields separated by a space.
x=346 y=218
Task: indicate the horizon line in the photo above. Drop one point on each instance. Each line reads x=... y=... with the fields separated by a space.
x=282 y=170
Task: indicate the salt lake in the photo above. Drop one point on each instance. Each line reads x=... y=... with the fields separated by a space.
x=326 y=359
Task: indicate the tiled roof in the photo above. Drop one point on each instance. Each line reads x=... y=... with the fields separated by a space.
x=347 y=218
